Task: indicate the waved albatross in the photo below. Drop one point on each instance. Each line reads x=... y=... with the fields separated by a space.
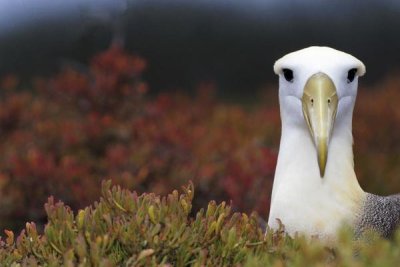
x=315 y=189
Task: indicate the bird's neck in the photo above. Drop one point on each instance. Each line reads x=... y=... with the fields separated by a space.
x=297 y=160
x=300 y=194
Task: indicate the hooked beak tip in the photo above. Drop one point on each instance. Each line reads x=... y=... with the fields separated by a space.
x=322 y=165
x=322 y=153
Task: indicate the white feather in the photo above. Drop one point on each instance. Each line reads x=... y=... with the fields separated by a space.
x=302 y=200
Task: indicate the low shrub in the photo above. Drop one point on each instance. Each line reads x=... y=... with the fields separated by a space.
x=127 y=229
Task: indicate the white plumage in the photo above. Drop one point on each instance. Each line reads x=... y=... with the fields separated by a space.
x=309 y=197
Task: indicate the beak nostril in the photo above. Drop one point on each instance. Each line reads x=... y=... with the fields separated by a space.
x=319 y=104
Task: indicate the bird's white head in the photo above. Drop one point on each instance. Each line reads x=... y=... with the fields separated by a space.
x=317 y=90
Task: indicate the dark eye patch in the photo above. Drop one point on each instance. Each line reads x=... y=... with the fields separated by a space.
x=351 y=74
x=288 y=74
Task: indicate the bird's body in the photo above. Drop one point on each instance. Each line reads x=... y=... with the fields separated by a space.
x=315 y=189
x=305 y=202
x=378 y=213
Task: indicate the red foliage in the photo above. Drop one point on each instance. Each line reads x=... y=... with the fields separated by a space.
x=376 y=137
x=68 y=133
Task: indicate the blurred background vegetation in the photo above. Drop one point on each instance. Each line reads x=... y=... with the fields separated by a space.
x=155 y=93
x=232 y=43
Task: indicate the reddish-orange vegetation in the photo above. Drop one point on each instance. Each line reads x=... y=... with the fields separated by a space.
x=377 y=137
x=64 y=135
x=68 y=133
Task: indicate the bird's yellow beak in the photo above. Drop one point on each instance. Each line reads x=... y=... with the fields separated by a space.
x=320 y=103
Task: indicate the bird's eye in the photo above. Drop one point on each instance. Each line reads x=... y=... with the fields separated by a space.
x=288 y=74
x=351 y=74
